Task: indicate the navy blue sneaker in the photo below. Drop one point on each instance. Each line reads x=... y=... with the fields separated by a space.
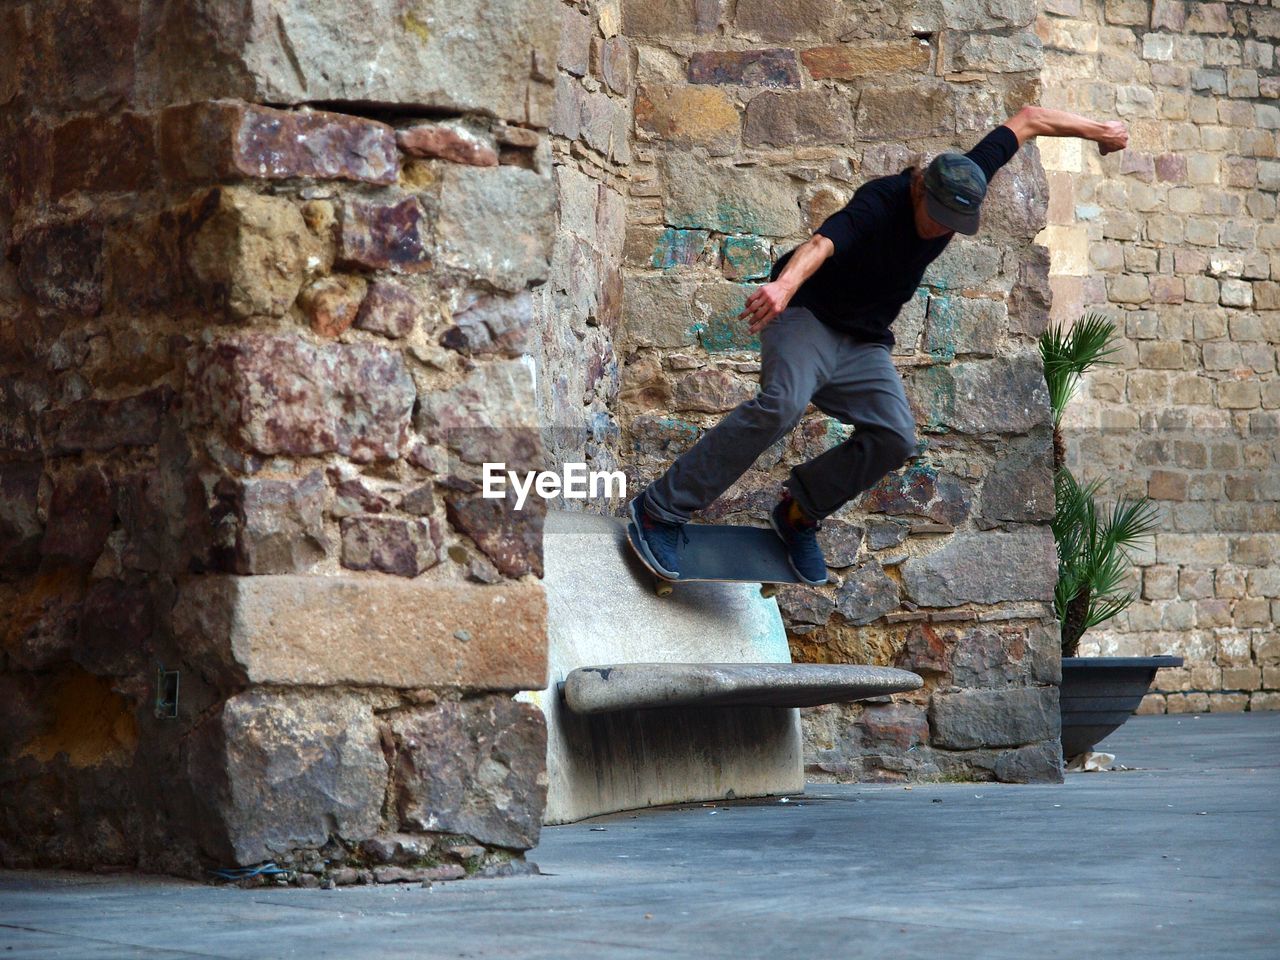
x=657 y=539
x=801 y=538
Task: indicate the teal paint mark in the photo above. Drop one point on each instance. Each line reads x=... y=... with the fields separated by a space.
x=678 y=248
x=938 y=389
x=721 y=334
x=942 y=323
x=747 y=257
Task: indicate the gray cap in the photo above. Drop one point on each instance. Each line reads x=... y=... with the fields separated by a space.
x=954 y=190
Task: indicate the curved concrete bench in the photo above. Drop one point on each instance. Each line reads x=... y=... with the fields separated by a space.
x=644 y=686
x=701 y=699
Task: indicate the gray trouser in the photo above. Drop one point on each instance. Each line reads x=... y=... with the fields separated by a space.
x=802 y=360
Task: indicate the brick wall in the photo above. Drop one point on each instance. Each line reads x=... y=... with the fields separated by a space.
x=1176 y=241
x=752 y=122
x=250 y=359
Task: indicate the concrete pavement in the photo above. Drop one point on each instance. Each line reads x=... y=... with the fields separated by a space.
x=1177 y=858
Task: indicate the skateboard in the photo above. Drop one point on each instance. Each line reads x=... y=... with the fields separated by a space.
x=726 y=554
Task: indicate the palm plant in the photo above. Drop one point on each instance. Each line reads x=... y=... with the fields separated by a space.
x=1092 y=550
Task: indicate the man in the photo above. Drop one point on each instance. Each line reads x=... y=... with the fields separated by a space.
x=823 y=320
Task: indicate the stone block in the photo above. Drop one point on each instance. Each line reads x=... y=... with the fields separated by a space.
x=994 y=718
x=669 y=18
x=866 y=59
x=453 y=140
x=920 y=490
x=491 y=324
x=60 y=264
x=956 y=325
x=1019 y=486
x=20 y=525
x=807 y=117
x=710 y=391
x=496 y=224
x=749 y=258
x=280 y=396
x=230 y=139
x=786 y=19
x=488 y=417
x=392 y=545
x=250 y=254
x=383 y=235
x=510 y=538
x=747 y=68
x=716 y=307
x=729 y=199
x=992 y=53
x=275 y=770
x=1002 y=395
x=987 y=567
x=96 y=153
x=901 y=113
x=389 y=308
x=655 y=311
x=364 y=631
x=81 y=515
x=615 y=64
x=678 y=115
x=866 y=594
x=279 y=524
x=312 y=52
x=475 y=767
x=331 y=304
x=576 y=31
x=102 y=425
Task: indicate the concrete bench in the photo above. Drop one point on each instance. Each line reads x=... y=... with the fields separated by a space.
x=654 y=700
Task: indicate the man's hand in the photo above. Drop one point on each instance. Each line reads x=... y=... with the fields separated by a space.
x=764 y=304
x=1114 y=136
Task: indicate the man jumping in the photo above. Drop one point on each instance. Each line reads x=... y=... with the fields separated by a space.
x=823 y=320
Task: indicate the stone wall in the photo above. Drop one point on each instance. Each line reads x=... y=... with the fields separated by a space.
x=250 y=358
x=1176 y=240
x=752 y=122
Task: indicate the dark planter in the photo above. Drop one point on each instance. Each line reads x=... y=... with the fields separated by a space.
x=1100 y=693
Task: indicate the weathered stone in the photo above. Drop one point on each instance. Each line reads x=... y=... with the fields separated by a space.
x=491 y=324
x=488 y=417
x=240 y=140
x=684 y=115
x=1019 y=487
x=992 y=53
x=311 y=52
x=900 y=726
x=1034 y=763
x=281 y=770
x=866 y=59
x=726 y=198
x=750 y=68
x=994 y=718
x=250 y=253
x=902 y=113
x=746 y=258
x=389 y=544
x=43 y=618
x=920 y=490
x=669 y=18
x=420 y=501
x=782 y=20
x=495 y=224
x=955 y=326
x=867 y=594
x=115 y=153
x=116 y=625
x=379 y=631
x=279 y=395
x=357 y=495
x=883 y=534
x=717 y=306
x=710 y=391
x=927 y=649
x=840 y=542
x=800 y=117
x=279 y=524
x=80 y=517
x=101 y=425
x=984 y=568
x=383 y=235
x=805 y=606
x=389 y=308
x=22 y=401
x=511 y=538
x=20 y=526
x=77 y=55
x=615 y=64
x=455 y=141
x=331 y=304
x=475 y=767
x=60 y=264
x=1002 y=395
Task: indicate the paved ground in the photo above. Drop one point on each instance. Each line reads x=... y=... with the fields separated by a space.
x=1180 y=858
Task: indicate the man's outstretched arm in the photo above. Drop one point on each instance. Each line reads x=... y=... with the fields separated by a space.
x=771 y=299
x=1043 y=122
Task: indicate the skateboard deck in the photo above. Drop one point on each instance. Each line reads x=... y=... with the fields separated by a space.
x=726 y=554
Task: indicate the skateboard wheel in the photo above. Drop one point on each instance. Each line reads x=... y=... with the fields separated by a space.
x=768 y=590
x=662 y=588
